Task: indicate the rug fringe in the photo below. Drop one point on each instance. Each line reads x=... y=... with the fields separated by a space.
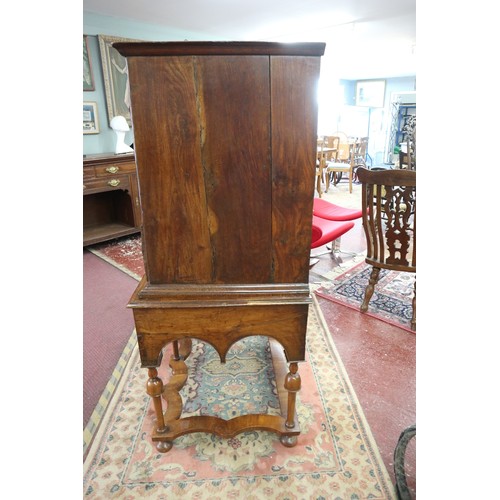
x=113 y=387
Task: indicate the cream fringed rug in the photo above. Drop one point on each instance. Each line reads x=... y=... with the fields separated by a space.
x=336 y=456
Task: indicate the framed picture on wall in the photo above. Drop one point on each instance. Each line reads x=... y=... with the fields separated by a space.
x=90 y=118
x=370 y=93
x=115 y=73
x=88 y=75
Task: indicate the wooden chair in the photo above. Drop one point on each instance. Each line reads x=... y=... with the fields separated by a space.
x=389 y=220
x=403 y=160
x=344 y=139
x=320 y=166
x=360 y=154
x=327 y=148
x=344 y=163
x=407 y=159
x=332 y=143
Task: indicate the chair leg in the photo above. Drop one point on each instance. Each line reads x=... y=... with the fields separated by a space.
x=370 y=288
x=318 y=185
x=350 y=181
x=333 y=178
x=414 y=307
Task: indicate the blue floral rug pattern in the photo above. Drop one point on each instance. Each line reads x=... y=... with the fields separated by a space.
x=391 y=300
x=225 y=393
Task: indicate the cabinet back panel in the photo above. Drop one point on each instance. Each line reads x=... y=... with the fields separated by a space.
x=176 y=238
x=225 y=151
x=236 y=155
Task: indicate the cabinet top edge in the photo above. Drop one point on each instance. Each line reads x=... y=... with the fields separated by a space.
x=219 y=48
x=97 y=158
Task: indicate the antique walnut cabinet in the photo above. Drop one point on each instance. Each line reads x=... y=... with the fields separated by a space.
x=225 y=147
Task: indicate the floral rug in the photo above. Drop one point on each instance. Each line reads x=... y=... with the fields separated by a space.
x=391 y=301
x=336 y=456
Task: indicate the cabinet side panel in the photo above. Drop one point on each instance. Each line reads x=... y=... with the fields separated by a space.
x=176 y=239
x=234 y=99
x=294 y=131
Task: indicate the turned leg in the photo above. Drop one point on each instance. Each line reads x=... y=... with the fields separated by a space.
x=414 y=307
x=154 y=388
x=370 y=288
x=292 y=385
x=176 y=355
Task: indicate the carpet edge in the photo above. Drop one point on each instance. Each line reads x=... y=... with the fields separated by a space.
x=367 y=313
x=100 y=415
x=111 y=261
x=354 y=398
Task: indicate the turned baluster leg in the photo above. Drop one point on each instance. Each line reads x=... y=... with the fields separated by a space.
x=154 y=388
x=292 y=385
x=370 y=288
x=176 y=354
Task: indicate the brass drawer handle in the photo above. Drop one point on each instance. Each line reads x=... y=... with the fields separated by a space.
x=114 y=182
x=113 y=169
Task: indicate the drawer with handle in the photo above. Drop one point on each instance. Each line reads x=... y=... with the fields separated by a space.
x=114 y=169
x=113 y=182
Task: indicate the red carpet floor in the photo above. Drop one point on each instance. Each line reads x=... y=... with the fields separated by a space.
x=107 y=327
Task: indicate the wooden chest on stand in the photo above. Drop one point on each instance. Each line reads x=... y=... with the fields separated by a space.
x=225 y=145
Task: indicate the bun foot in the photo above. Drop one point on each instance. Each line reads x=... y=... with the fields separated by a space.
x=164 y=446
x=288 y=441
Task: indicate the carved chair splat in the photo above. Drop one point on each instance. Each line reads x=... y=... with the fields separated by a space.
x=389 y=209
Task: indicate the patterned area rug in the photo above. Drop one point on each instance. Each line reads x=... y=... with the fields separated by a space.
x=336 y=456
x=123 y=253
x=391 y=300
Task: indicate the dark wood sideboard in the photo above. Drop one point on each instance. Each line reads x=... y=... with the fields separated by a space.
x=111 y=206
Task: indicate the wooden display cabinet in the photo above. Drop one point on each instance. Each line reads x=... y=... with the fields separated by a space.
x=225 y=142
x=111 y=205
